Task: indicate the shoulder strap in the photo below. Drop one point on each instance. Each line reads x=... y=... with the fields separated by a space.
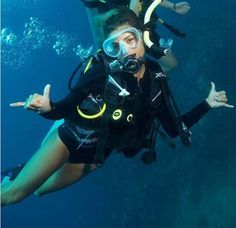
x=184 y=133
x=103 y=131
x=93 y=68
x=159 y=79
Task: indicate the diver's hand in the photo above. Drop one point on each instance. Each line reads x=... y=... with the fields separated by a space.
x=217 y=99
x=182 y=7
x=36 y=102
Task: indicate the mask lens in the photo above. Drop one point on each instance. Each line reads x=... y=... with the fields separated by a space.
x=113 y=47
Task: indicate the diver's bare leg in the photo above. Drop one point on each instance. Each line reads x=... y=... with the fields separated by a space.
x=68 y=174
x=49 y=157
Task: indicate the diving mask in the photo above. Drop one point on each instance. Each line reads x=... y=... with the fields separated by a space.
x=114 y=47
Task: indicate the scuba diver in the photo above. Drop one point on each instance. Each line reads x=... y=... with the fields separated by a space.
x=118 y=103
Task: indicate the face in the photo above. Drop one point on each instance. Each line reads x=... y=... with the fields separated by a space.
x=124 y=41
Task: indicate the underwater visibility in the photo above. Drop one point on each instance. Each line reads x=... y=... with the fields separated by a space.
x=16 y=48
x=54 y=55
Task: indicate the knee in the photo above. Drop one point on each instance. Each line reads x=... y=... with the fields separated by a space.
x=39 y=193
x=42 y=191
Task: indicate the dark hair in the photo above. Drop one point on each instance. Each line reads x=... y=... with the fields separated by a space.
x=117 y=17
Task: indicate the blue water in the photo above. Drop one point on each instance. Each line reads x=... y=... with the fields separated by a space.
x=186 y=187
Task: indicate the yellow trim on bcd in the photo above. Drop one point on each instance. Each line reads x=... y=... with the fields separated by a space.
x=90 y=117
x=117 y=114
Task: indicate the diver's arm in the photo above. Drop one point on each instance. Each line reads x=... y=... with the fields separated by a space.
x=61 y=109
x=167 y=4
x=41 y=104
x=189 y=119
x=214 y=100
x=92 y=80
x=180 y=7
x=193 y=116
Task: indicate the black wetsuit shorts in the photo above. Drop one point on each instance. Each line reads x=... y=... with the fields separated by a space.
x=80 y=142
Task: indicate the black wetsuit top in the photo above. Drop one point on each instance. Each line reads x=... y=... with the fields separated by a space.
x=123 y=134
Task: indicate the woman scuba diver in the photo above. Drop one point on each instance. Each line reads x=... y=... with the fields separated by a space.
x=110 y=108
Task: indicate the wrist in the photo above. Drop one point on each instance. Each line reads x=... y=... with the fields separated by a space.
x=207 y=100
x=49 y=109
